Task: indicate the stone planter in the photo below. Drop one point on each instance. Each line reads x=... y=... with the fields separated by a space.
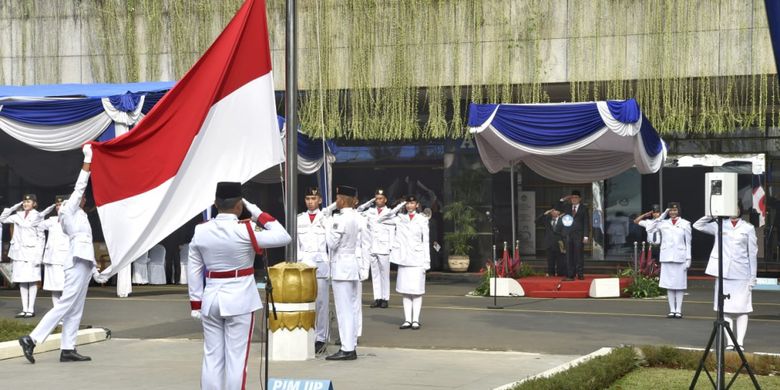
x=458 y=263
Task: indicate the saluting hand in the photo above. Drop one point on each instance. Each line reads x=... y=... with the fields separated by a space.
x=87 y=150
x=195 y=314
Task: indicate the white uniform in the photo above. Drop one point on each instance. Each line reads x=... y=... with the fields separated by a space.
x=342 y=239
x=653 y=234
x=55 y=254
x=227 y=303
x=382 y=234
x=27 y=243
x=312 y=251
x=413 y=253
x=675 y=254
x=79 y=266
x=362 y=254
x=740 y=249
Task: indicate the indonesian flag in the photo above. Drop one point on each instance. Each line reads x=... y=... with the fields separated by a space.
x=759 y=200
x=218 y=123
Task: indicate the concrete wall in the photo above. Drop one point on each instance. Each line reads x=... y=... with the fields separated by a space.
x=48 y=41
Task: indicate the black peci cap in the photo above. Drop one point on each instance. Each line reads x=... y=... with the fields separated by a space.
x=313 y=191
x=673 y=205
x=346 y=191
x=411 y=198
x=380 y=191
x=656 y=208
x=576 y=193
x=228 y=190
x=61 y=198
x=31 y=197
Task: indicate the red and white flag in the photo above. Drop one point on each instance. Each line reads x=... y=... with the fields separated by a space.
x=218 y=123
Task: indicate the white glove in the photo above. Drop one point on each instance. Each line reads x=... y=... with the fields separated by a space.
x=97 y=277
x=254 y=210
x=752 y=283
x=16 y=206
x=48 y=210
x=195 y=314
x=87 y=149
x=688 y=264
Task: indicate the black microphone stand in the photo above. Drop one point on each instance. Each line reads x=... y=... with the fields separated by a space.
x=720 y=329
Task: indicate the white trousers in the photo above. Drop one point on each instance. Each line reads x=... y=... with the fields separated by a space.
x=675 y=300
x=226 y=343
x=344 y=296
x=412 y=307
x=359 y=311
x=321 y=322
x=738 y=324
x=124 y=283
x=70 y=306
x=380 y=276
x=28 y=292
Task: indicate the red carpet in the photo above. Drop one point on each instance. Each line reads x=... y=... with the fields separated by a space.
x=555 y=287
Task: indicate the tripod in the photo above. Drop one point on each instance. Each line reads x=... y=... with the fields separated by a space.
x=721 y=329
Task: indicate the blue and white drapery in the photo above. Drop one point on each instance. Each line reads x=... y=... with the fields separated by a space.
x=567 y=142
x=57 y=118
x=314 y=157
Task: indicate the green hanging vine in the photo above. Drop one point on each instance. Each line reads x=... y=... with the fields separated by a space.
x=389 y=70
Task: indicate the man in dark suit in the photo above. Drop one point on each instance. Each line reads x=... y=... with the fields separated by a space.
x=578 y=234
x=553 y=242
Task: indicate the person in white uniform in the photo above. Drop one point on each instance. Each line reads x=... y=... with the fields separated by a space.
x=312 y=251
x=675 y=256
x=79 y=266
x=55 y=254
x=413 y=260
x=740 y=250
x=342 y=239
x=381 y=235
x=222 y=251
x=26 y=251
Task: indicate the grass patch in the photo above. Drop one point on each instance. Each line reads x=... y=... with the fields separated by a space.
x=597 y=373
x=668 y=378
x=12 y=330
x=670 y=357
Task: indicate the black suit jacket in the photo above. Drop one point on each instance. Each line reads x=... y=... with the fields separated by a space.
x=551 y=234
x=581 y=226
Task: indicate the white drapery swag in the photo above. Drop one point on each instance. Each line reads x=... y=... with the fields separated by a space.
x=57 y=138
x=123 y=120
x=607 y=152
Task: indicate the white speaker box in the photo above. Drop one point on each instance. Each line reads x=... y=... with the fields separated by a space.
x=720 y=194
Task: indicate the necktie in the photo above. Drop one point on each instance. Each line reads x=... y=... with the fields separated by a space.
x=574 y=210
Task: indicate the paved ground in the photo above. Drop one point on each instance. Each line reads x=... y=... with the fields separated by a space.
x=156 y=342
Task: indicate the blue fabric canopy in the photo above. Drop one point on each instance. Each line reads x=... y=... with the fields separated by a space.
x=567 y=142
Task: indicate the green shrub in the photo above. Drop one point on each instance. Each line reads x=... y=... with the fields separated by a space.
x=642 y=286
x=671 y=357
x=486 y=277
x=597 y=373
x=12 y=330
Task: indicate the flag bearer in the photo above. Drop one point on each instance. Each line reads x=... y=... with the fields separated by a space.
x=381 y=236
x=56 y=253
x=675 y=255
x=222 y=251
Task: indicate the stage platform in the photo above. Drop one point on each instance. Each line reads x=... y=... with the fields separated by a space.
x=556 y=287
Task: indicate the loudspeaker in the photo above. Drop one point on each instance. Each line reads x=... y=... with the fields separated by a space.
x=720 y=194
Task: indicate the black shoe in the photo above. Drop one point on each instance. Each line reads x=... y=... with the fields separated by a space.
x=376 y=303
x=405 y=325
x=320 y=347
x=670 y=315
x=29 y=315
x=384 y=304
x=581 y=277
x=70 y=355
x=20 y=314
x=28 y=345
x=343 y=355
x=415 y=325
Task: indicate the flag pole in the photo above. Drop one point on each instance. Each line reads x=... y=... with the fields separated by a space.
x=291 y=117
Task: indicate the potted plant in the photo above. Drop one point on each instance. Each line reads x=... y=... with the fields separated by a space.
x=463 y=218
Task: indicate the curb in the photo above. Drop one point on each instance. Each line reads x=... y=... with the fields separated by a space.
x=561 y=368
x=11 y=349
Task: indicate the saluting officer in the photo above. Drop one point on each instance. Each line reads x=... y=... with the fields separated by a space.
x=26 y=251
x=312 y=251
x=342 y=239
x=223 y=251
x=740 y=251
x=79 y=265
x=55 y=254
x=381 y=236
x=675 y=255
